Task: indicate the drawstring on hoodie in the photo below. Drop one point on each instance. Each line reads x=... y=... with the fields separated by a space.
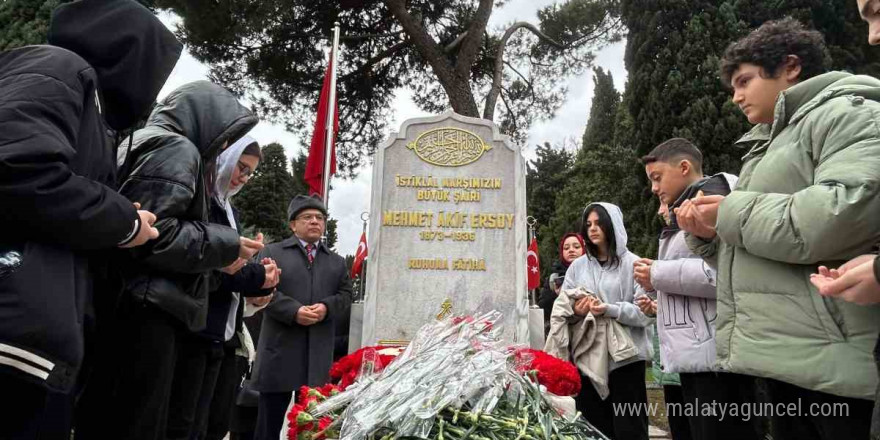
x=124 y=169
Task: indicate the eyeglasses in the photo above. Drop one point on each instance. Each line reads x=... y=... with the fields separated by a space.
x=310 y=217
x=245 y=171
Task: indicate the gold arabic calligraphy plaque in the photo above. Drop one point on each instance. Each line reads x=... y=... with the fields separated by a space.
x=449 y=147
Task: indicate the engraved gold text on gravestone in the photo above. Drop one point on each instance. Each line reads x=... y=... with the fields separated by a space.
x=448 y=147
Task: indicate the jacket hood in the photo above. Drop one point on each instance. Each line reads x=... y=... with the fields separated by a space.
x=718 y=184
x=616 y=215
x=131 y=51
x=226 y=163
x=562 y=242
x=798 y=100
x=206 y=114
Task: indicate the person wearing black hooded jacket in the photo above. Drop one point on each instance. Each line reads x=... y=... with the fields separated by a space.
x=203 y=391
x=169 y=168
x=60 y=105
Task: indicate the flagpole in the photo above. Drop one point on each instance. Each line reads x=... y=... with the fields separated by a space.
x=331 y=112
x=531 y=222
x=362 y=286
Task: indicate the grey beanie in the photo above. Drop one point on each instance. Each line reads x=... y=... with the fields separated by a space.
x=302 y=202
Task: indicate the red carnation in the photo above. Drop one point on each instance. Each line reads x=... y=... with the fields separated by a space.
x=299 y=421
x=345 y=370
x=560 y=377
x=302 y=396
x=323 y=424
x=329 y=390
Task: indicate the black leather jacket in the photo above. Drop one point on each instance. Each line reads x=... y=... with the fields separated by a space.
x=167 y=172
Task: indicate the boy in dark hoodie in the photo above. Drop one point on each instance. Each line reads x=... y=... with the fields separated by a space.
x=60 y=106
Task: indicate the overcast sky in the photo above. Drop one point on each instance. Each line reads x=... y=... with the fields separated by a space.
x=350 y=198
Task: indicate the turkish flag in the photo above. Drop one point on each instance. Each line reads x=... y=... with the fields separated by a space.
x=359 y=256
x=534 y=270
x=314 y=174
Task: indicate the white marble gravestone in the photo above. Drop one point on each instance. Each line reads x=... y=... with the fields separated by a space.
x=447 y=229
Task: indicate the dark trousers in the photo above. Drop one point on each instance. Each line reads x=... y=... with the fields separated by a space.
x=679 y=427
x=616 y=421
x=852 y=421
x=270 y=415
x=707 y=393
x=195 y=376
x=33 y=412
x=220 y=411
x=128 y=394
x=243 y=423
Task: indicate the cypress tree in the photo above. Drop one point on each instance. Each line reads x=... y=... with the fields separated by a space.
x=603 y=170
x=262 y=203
x=24 y=22
x=544 y=177
x=603 y=111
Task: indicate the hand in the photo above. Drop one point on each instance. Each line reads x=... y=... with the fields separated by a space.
x=146 y=232
x=583 y=305
x=320 y=309
x=598 y=309
x=273 y=274
x=836 y=273
x=305 y=316
x=647 y=305
x=248 y=248
x=857 y=261
x=642 y=273
x=234 y=267
x=699 y=215
x=260 y=301
x=856 y=285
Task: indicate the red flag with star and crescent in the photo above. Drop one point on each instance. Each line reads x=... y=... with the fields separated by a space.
x=533 y=266
x=359 y=256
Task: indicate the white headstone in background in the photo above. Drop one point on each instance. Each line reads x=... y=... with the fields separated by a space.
x=447 y=229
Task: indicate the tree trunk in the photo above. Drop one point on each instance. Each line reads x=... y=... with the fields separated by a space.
x=456 y=86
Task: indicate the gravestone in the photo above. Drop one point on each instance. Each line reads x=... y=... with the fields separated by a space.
x=447 y=229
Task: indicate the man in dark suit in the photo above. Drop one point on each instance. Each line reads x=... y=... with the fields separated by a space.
x=296 y=340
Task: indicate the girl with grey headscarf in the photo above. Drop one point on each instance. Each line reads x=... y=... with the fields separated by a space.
x=207 y=376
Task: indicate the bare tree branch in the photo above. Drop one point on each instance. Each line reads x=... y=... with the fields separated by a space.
x=492 y=97
x=527 y=81
x=510 y=112
x=451 y=46
x=427 y=47
x=368 y=36
x=457 y=88
x=376 y=58
x=470 y=47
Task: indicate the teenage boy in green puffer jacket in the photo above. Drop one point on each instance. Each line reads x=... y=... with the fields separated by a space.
x=807 y=196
